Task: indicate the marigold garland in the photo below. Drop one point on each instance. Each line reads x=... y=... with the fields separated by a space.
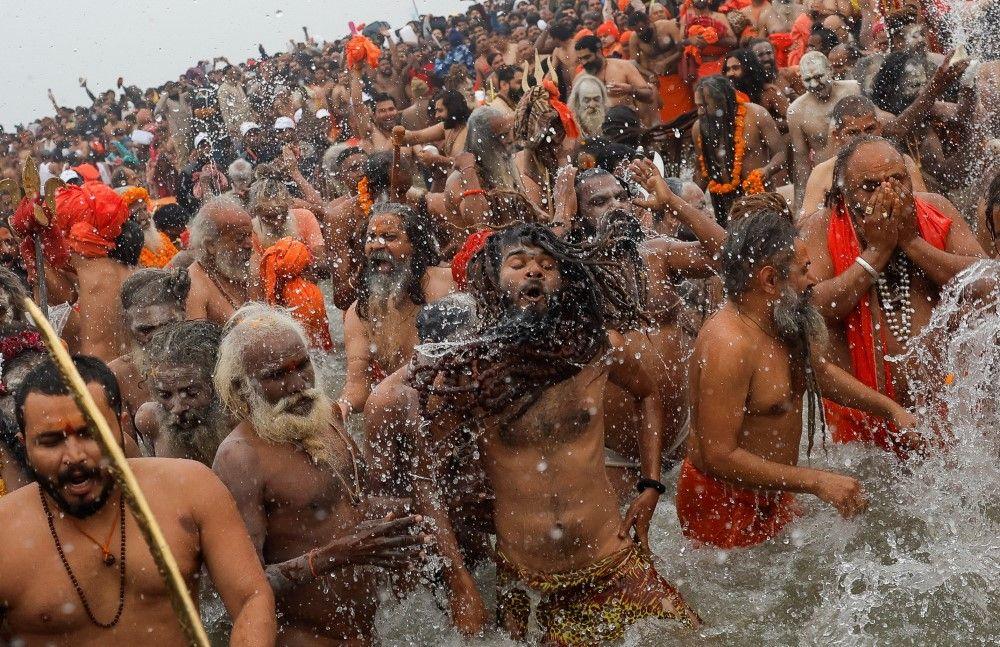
x=754 y=183
x=708 y=34
x=158 y=259
x=739 y=148
x=364 y=196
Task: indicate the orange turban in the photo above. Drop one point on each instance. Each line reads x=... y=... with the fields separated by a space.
x=608 y=28
x=360 y=48
x=88 y=172
x=132 y=194
x=53 y=239
x=281 y=268
x=583 y=32
x=93 y=215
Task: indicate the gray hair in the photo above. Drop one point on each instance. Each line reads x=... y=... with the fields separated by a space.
x=582 y=80
x=760 y=239
x=484 y=143
x=204 y=226
x=254 y=323
x=240 y=171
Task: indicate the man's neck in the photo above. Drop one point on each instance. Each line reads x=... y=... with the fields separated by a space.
x=757 y=311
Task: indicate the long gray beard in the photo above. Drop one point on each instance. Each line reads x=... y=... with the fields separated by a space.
x=798 y=322
x=385 y=290
x=591 y=121
x=200 y=442
x=310 y=432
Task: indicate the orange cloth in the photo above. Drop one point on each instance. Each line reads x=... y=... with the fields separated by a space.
x=608 y=28
x=159 y=259
x=724 y=515
x=460 y=263
x=583 y=32
x=676 y=98
x=54 y=248
x=93 y=215
x=801 y=30
x=850 y=425
x=281 y=269
x=360 y=48
x=565 y=114
x=88 y=172
x=710 y=30
x=132 y=194
x=733 y=5
x=781 y=43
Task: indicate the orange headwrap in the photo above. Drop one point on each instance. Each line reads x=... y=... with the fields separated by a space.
x=583 y=32
x=565 y=114
x=132 y=194
x=460 y=263
x=93 y=215
x=88 y=172
x=608 y=28
x=281 y=268
x=360 y=48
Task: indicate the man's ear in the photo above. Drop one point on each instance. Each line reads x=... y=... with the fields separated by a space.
x=20 y=438
x=770 y=279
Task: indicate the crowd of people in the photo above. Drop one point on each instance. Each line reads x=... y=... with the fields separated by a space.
x=561 y=248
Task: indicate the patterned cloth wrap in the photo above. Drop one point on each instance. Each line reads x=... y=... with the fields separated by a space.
x=589 y=606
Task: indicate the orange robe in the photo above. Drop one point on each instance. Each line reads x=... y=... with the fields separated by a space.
x=281 y=269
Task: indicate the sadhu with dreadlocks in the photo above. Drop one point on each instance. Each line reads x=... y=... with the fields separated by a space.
x=752 y=363
x=531 y=378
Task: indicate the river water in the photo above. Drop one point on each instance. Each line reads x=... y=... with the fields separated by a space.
x=921 y=567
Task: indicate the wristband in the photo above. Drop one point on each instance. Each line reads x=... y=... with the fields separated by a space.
x=866 y=266
x=650 y=483
x=473 y=192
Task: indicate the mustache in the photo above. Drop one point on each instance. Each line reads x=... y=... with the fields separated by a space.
x=287 y=403
x=76 y=472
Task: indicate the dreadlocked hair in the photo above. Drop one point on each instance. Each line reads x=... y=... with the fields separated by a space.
x=717 y=131
x=513 y=356
x=425 y=252
x=186 y=343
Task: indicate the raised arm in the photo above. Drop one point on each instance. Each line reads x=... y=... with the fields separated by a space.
x=359 y=115
x=428 y=135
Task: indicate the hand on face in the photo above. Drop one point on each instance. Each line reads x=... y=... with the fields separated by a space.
x=878 y=227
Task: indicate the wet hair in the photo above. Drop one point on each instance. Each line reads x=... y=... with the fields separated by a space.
x=889 y=80
x=760 y=203
x=754 y=79
x=47 y=379
x=240 y=169
x=992 y=202
x=496 y=168
x=852 y=107
x=203 y=227
x=344 y=154
x=425 y=253
x=171 y=216
x=186 y=343
x=514 y=356
x=14 y=287
x=129 y=244
x=378 y=169
x=151 y=286
x=505 y=73
x=760 y=239
x=455 y=106
x=843 y=158
x=589 y=43
x=446 y=318
x=268 y=185
x=622 y=125
x=382 y=97
x=828 y=38
x=561 y=30
x=717 y=134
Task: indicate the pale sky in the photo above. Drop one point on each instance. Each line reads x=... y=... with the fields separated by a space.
x=52 y=44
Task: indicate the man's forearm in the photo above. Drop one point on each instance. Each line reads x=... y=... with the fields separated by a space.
x=748 y=470
x=709 y=233
x=651 y=441
x=837 y=297
x=644 y=94
x=255 y=625
x=841 y=387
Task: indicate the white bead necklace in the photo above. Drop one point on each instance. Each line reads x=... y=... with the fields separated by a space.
x=895 y=298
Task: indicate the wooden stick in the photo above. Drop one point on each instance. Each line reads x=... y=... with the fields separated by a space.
x=180 y=597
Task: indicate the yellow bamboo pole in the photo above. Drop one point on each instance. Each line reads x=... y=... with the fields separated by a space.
x=184 y=607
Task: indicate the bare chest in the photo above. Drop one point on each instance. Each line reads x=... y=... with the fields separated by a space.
x=392 y=336
x=776 y=388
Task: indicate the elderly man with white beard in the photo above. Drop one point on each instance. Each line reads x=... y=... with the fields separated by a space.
x=294 y=474
x=223 y=276
x=589 y=101
x=185 y=418
x=399 y=273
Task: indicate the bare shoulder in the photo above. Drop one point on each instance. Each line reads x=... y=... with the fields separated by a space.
x=721 y=334
x=390 y=394
x=147 y=419
x=19 y=507
x=179 y=473
x=439 y=283
x=815 y=224
x=238 y=448
x=939 y=202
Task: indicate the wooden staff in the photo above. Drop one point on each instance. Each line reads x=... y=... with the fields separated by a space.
x=394 y=172
x=185 y=609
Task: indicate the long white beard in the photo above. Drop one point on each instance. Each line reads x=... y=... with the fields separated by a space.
x=591 y=121
x=151 y=238
x=274 y=424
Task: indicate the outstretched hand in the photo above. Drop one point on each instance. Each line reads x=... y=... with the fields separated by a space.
x=639 y=515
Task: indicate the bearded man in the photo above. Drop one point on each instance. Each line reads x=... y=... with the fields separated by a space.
x=223 y=277
x=809 y=117
x=589 y=101
x=398 y=274
x=371 y=121
x=737 y=143
x=294 y=473
x=542 y=355
x=506 y=81
x=752 y=363
x=102 y=594
x=150 y=299
x=546 y=129
x=880 y=254
x=185 y=418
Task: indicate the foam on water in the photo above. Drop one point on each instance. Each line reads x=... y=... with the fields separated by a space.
x=921 y=567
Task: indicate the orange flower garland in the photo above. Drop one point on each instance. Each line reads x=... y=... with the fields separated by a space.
x=739 y=148
x=709 y=35
x=364 y=196
x=158 y=259
x=754 y=183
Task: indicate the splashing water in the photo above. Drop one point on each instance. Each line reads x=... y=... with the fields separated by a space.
x=921 y=567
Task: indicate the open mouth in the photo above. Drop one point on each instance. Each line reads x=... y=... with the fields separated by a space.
x=533 y=293
x=78 y=483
